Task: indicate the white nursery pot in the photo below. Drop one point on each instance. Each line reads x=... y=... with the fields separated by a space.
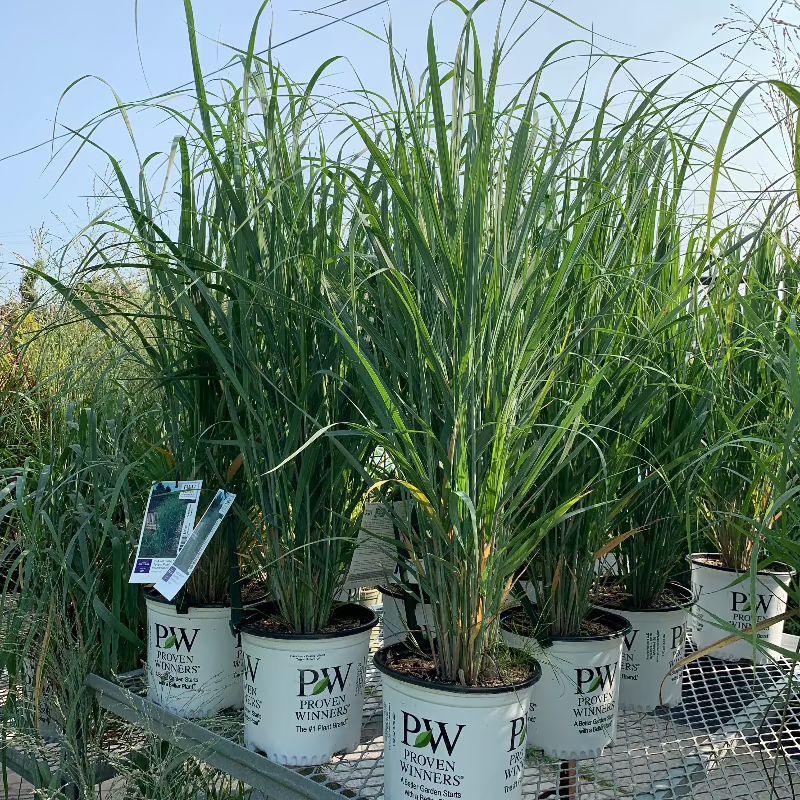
x=451 y=741
x=716 y=595
x=364 y=595
x=194 y=662
x=573 y=708
x=304 y=693
x=395 y=623
x=655 y=644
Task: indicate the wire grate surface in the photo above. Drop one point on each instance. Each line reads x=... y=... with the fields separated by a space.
x=722 y=743
x=737 y=735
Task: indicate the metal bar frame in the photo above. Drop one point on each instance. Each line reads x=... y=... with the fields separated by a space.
x=703 y=748
x=275 y=781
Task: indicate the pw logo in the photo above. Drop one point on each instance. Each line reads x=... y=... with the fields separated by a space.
x=174 y=637
x=250 y=668
x=595 y=678
x=424 y=736
x=741 y=602
x=518 y=731
x=313 y=682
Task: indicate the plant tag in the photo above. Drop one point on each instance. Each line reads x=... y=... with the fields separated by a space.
x=171 y=582
x=375 y=555
x=168 y=522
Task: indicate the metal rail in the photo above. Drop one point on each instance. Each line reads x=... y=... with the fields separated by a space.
x=276 y=781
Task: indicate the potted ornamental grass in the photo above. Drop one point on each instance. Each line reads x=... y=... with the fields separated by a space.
x=738 y=583
x=457 y=334
x=305 y=654
x=747 y=486
x=193 y=656
x=638 y=352
x=646 y=594
x=573 y=708
x=610 y=541
x=660 y=441
x=246 y=277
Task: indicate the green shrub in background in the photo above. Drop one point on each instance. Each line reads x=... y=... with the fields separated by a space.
x=73 y=519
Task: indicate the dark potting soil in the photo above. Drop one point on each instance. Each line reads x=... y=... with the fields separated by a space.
x=520 y=623
x=253 y=591
x=423 y=668
x=341 y=622
x=614 y=596
x=590 y=627
x=713 y=560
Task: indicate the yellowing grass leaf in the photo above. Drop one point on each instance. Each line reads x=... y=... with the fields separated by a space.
x=416 y=493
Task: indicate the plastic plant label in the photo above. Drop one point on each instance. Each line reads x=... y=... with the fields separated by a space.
x=171 y=582
x=375 y=556
x=168 y=522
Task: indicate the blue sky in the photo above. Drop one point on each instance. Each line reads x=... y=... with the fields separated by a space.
x=46 y=46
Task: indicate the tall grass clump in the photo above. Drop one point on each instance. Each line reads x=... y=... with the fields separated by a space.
x=634 y=284
x=662 y=439
x=736 y=479
x=157 y=353
x=72 y=511
x=70 y=515
x=467 y=323
x=234 y=328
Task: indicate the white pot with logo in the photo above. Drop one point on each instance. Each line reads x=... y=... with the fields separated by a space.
x=395 y=615
x=655 y=644
x=721 y=593
x=194 y=662
x=304 y=693
x=573 y=708
x=451 y=741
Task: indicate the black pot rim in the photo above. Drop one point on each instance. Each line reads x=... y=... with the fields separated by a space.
x=370 y=621
x=394 y=591
x=622 y=625
x=152 y=594
x=691 y=599
x=787 y=570
x=379 y=659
